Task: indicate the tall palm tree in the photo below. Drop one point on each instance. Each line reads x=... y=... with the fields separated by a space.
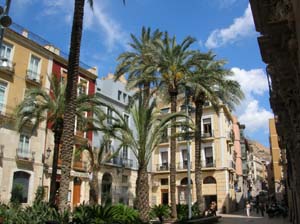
x=70 y=104
x=209 y=81
x=140 y=63
x=40 y=105
x=174 y=64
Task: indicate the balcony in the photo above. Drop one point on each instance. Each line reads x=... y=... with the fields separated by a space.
x=205 y=135
x=127 y=163
x=231 y=164
x=208 y=164
x=183 y=165
x=79 y=165
x=33 y=77
x=7 y=66
x=162 y=167
x=24 y=156
x=122 y=162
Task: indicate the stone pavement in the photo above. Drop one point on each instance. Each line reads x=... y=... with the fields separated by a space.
x=240 y=217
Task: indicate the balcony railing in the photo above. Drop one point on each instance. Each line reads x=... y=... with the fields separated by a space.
x=33 y=76
x=119 y=161
x=79 y=165
x=208 y=164
x=7 y=65
x=162 y=167
x=207 y=134
x=183 y=165
x=23 y=155
x=231 y=164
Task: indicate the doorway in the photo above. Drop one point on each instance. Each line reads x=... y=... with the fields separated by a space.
x=208 y=199
x=165 y=196
x=76 y=191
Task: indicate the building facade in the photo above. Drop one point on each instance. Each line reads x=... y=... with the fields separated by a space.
x=278 y=164
x=218 y=162
x=23 y=65
x=117 y=177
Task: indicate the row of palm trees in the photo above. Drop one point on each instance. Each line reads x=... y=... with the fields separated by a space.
x=156 y=66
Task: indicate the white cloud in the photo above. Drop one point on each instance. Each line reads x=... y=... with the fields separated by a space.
x=112 y=30
x=241 y=27
x=96 y=19
x=251 y=113
x=253 y=81
x=255 y=117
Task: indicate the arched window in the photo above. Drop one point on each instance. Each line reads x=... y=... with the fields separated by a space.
x=209 y=180
x=184 y=181
x=20 y=187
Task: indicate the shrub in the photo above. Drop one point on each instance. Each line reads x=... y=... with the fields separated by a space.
x=124 y=214
x=160 y=211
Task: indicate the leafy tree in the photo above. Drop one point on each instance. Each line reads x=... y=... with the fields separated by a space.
x=161 y=212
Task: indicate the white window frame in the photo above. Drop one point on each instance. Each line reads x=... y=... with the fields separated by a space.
x=211 y=123
x=28 y=150
x=112 y=116
x=39 y=65
x=163 y=150
x=12 y=50
x=87 y=84
x=205 y=145
x=3 y=107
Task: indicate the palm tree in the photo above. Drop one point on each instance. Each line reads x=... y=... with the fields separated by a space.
x=209 y=81
x=40 y=105
x=173 y=63
x=140 y=63
x=70 y=103
x=149 y=126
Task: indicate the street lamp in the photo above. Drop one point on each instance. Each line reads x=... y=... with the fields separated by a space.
x=188 y=154
x=5 y=20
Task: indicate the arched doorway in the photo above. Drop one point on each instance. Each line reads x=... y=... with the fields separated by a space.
x=106 y=189
x=76 y=191
x=20 y=187
x=183 y=191
x=209 y=190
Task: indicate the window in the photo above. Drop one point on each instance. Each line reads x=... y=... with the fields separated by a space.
x=124 y=97
x=82 y=87
x=119 y=95
x=23 y=150
x=63 y=75
x=125 y=152
x=164 y=136
x=209 y=180
x=108 y=146
x=6 y=55
x=164 y=181
x=164 y=110
x=126 y=118
x=209 y=159
x=3 y=87
x=20 y=187
x=124 y=179
x=34 y=68
x=164 y=158
x=207 y=130
x=109 y=116
x=184 y=157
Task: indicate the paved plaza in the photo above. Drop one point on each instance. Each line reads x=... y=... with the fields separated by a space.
x=240 y=217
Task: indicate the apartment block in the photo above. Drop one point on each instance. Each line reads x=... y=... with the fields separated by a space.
x=117 y=176
x=218 y=161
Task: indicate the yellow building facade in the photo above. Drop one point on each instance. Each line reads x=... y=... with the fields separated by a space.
x=23 y=65
x=218 y=163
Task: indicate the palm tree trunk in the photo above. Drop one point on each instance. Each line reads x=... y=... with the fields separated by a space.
x=142 y=193
x=71 y=94
x=198 y=165
x=173 y=95
x=94 y=187
x=57 y=129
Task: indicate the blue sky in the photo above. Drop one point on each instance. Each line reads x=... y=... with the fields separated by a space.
x=225 y=26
